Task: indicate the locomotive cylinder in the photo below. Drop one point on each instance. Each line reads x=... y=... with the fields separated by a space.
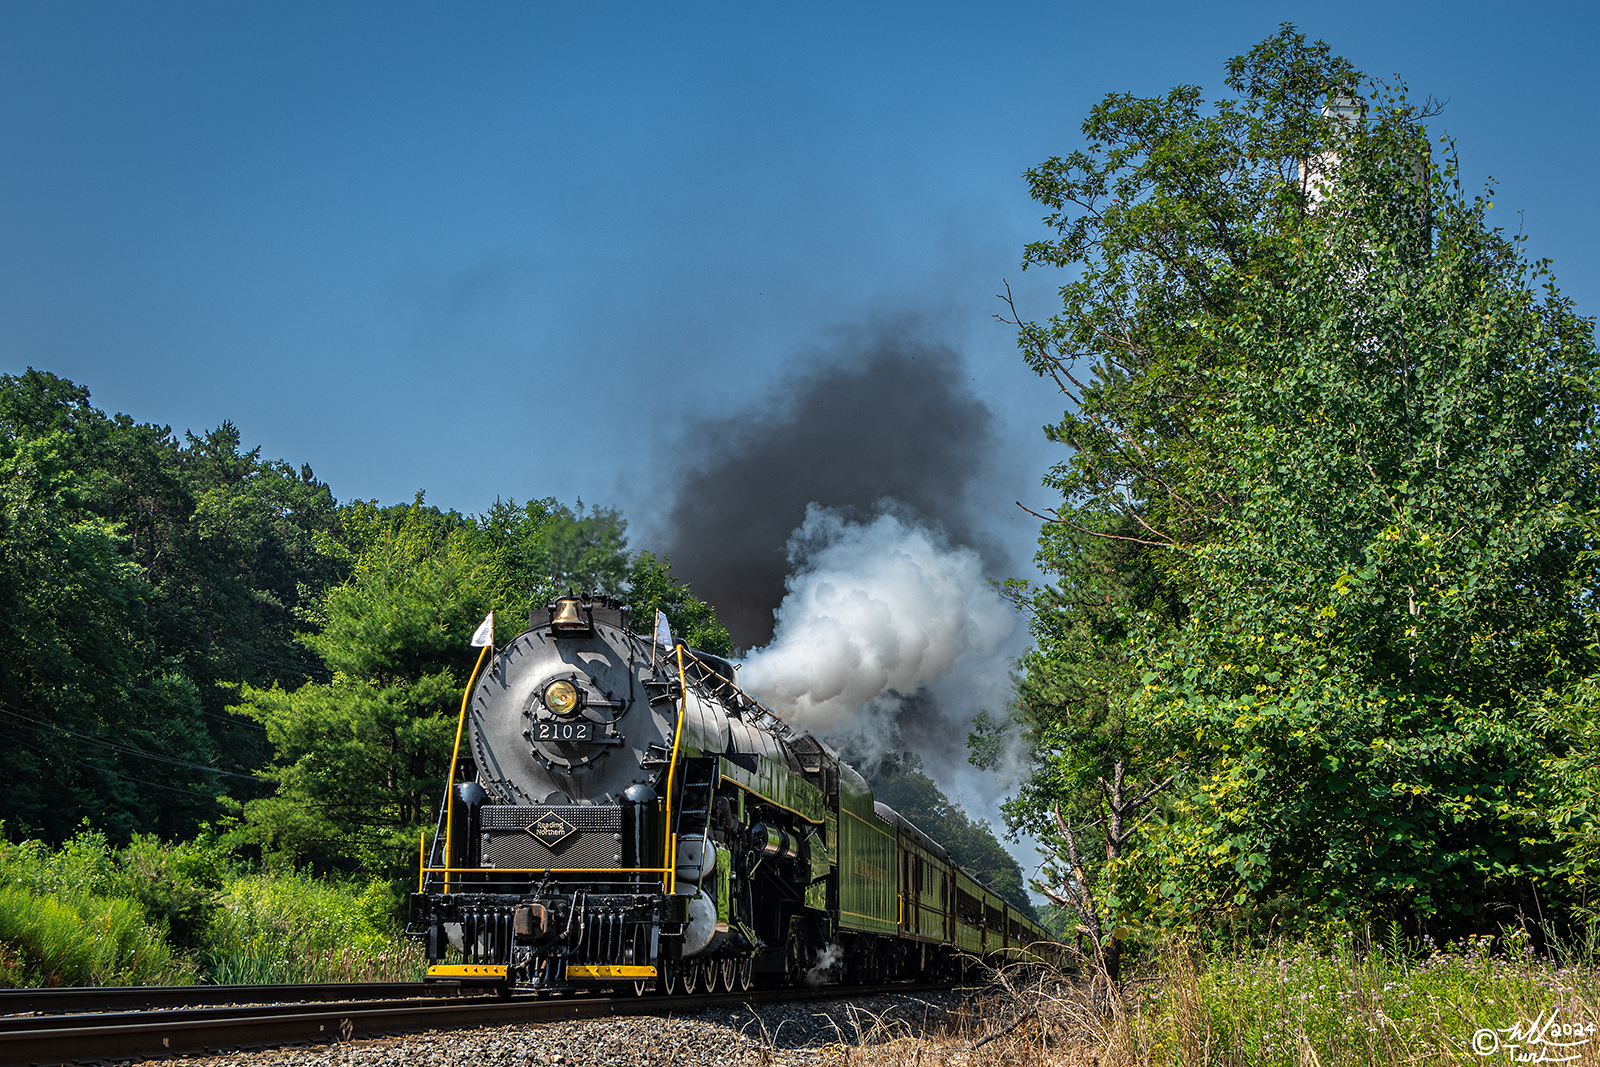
x=773 y=843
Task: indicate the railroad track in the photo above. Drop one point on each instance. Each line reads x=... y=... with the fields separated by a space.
x=122 y=1035
x=125 y=998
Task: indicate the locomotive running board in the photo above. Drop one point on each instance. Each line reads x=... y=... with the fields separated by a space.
x=467 y=970
x=581 y=971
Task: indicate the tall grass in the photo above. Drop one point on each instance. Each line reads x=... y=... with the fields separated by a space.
x=156 y=913
x=64 y=921
x=1289 y=1005
x=82 y=940
x=1383 y=1004
x=1350 y=1004
x=291 y=927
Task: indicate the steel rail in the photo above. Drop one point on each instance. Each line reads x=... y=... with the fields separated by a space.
x=19 y=1023
x=123 y=998
x=170 y=1033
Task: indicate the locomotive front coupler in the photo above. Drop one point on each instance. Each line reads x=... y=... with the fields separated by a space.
x=585 y=937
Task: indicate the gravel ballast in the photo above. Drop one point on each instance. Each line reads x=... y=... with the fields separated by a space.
x=794 y=1033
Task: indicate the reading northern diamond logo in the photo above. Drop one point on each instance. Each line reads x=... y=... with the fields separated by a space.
x=550 y=830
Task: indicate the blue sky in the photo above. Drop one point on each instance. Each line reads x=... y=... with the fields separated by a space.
x=403 y=242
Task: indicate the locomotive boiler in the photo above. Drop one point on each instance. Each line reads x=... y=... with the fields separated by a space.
x=624 y=815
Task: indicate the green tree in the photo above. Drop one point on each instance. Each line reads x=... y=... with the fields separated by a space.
x=544 y=549
x=143 y=572
x=588 y=553
x=1324 y=545
x=71 y=623
x=652 y=588
x=517 y=537
x=148 y=582
x=361 y=759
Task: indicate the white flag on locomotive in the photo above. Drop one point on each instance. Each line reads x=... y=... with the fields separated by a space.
x=663 y=631
x=483 y=636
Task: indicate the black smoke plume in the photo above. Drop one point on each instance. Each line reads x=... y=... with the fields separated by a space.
x=884 y=416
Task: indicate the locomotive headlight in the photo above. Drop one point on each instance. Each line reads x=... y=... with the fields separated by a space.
x=561 y=697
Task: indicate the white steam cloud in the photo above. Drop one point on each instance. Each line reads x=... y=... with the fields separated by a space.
x=872 y=608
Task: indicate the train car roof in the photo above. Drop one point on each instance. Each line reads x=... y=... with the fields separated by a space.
x=906 y=826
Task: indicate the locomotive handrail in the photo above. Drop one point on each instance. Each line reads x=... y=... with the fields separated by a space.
x=703 y=665
x=455 y=754
x=437 y=843
x=669 y=856
x=812 y=819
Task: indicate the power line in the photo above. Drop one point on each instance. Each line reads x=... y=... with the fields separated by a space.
x=119 y=774
x=272 y=661
x=41 y=726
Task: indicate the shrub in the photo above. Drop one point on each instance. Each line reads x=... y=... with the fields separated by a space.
x=82 y=939
x=176 y=885
x=87 y=913
x=288 y=926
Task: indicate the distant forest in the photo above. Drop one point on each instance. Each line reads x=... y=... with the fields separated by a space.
x=193 y=635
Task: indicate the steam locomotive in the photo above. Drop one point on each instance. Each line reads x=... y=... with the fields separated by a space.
x=625 y=816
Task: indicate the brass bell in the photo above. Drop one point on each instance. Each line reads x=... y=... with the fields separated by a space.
x=569 y=615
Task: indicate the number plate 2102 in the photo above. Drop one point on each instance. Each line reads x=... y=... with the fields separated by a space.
x=564 y=731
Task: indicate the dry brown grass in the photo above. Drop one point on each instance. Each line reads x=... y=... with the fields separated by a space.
x=1284 y=1006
